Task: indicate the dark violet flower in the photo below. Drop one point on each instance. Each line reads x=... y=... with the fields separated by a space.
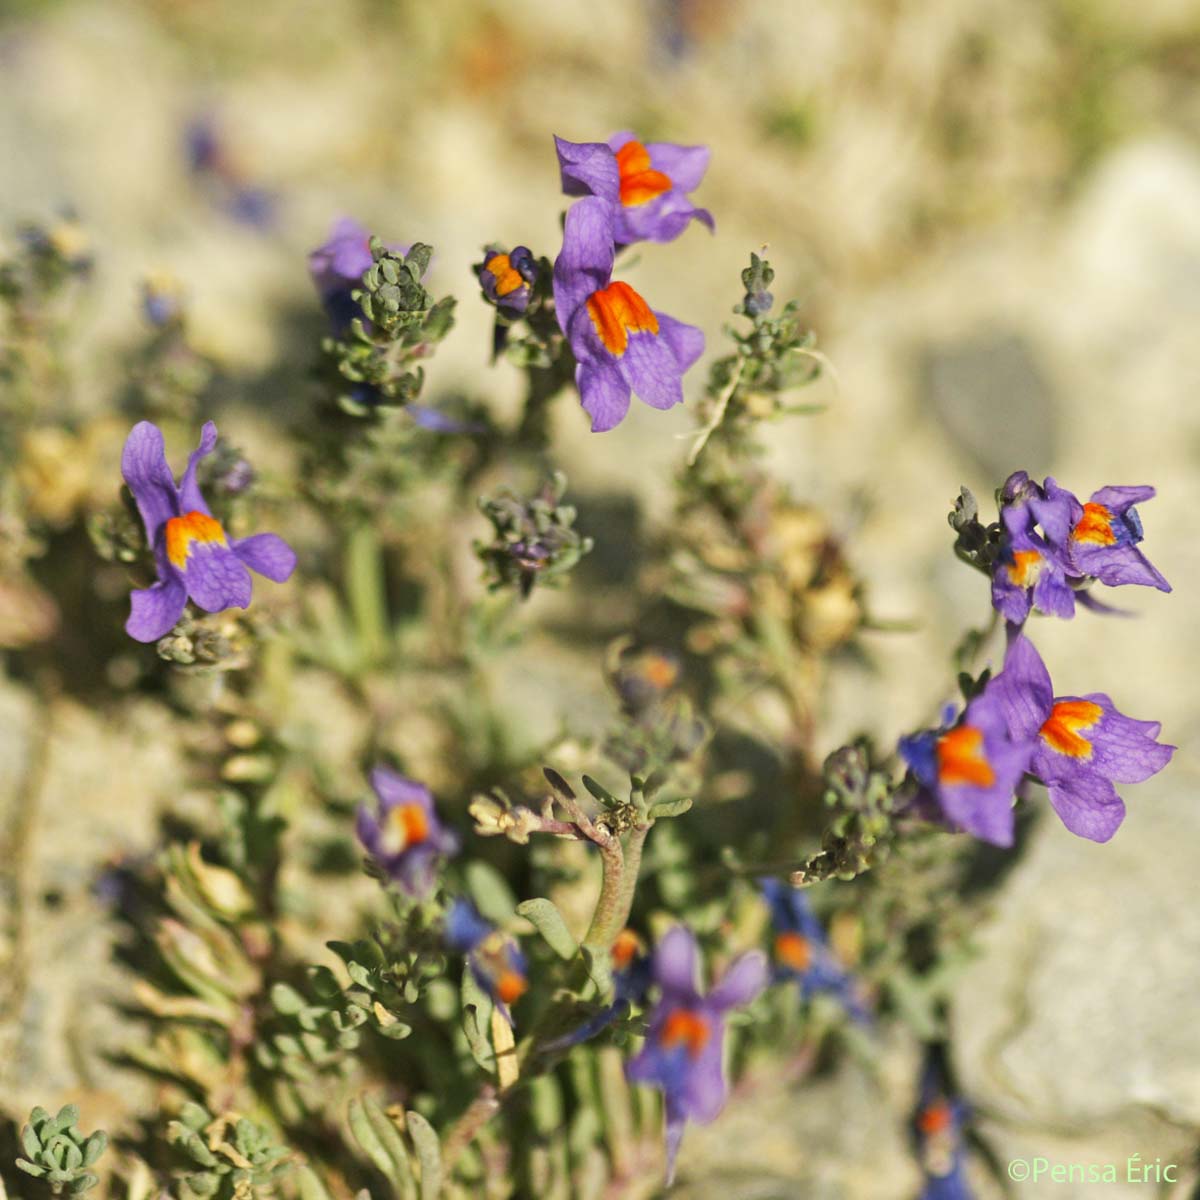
x=507 y=278
x=162 y=300
x=1028 y=573
x=1100 y=538
x=801 y=951
x=620 y=344
x=495 y=959
x=1082 y=744
x=682 y=1054
x=195 y=558
x=209 y=159
x=404 y=835
x=646 y=185
x=938 y=1133
x=970 y=771
x=337 y=267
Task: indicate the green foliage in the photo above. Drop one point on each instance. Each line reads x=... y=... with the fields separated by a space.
x=58 y=1153
x=227 y=1157
x=533 y=540
x=400 y=324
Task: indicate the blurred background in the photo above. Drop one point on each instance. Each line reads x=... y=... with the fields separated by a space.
x=990 y=210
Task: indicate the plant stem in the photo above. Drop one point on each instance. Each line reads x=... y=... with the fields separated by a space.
x=365 y=591
x=629 y=877
x=479 y=1112
x=608 y=917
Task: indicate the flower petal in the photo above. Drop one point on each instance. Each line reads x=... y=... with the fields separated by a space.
x=144 y=467
x=584 y=264
x=603 y=393
x=1024 y=689
x=268 y=554
x=686 y=341
x=588 y=169
x=1088 y=806
x=649 y=367
x=216 y=578
x=683 y=165
x=1125 y=750
x=676 y=964
x=1120 y=498
x=190 y=499
x=746 y=977
x=156 y=609
x=394 y=789
x=703 y=1086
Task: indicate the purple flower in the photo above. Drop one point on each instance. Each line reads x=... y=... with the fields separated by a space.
x=337 y=267
x=620 y=344
x=1082 y=744
x=1028 y=573
x=494 y=958
x=938 y=1131
x=195 y=558
x=682 y=1054
x=646 y=185
x=801 y=949
x=970 y=771
x=1100 y=538
x=209 y=159
x=404 y=835
x=507 y=278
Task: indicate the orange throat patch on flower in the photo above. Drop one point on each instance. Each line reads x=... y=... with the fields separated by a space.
x=685 y=1028
x=1061 y=731
x=1026 y=566
x=616 y=312
x=962 y=759
x=184 y=532
x=640 y=183
x=508 y=278
x=407 y=825
x=792 y=950
x=1095 y=526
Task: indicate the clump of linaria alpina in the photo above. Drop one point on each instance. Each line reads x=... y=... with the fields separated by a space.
x=584 y=860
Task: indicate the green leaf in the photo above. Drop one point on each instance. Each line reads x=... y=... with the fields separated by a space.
x=94 y=1147
x=286 y=999
x=476 y=1013
x=360 y=975
x=194 y=1116
x=429 y=1154
x=309 y=1185
x=669 y=808
x=30 y=1142
x=546 y=918
x=558 y=783
x=83 y=1183
x=401 y=1172
x=31 y=1168
x=600 y=792
x=367 y=1138
x=491 y=893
